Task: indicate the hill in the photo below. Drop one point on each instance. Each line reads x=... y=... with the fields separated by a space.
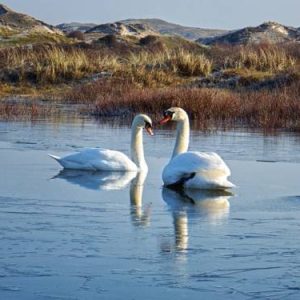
x=14 y=21
x=163 y=27
x=75 y=26
x=119 y=28
x=269 y=32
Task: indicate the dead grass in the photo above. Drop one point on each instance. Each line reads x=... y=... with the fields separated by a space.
x=51 y=64
x=172 y=63
x=56 y=64
x=264 y=57
x=151 y=81
x=210 y=107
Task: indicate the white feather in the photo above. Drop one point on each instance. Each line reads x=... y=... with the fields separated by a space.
x=195 y=170
x=95 y=159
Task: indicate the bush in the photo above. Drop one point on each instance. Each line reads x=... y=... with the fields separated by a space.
x=76 y=35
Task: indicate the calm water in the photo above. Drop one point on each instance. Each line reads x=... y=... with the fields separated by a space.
x=74 y=235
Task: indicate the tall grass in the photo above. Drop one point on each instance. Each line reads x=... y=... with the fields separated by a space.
x=272 y=60
x=210 y=107
x=51 y=64
x=265 y=58
x=165 y=67
x=183 y=62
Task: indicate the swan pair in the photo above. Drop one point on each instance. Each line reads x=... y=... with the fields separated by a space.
x=187 y=169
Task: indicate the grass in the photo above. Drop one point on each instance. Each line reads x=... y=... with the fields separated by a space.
x=264 y=57
x=279 y=108
x=50 y=64
x=56 y=64
x=6 y=32
x=154 y=77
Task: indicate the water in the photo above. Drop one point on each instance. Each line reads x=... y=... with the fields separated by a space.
x=74 y=235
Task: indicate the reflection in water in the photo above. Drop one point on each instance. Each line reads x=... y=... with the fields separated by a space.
x=212 y=206
x=114 y=181
x=138 y=216
x=97 y=180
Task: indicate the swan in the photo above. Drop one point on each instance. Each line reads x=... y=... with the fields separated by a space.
x=191 y=169
x=98 y=159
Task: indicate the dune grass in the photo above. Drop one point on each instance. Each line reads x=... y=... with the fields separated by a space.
x=264 y=57
x=110 y=83
x=51 y=64
x=56 y=64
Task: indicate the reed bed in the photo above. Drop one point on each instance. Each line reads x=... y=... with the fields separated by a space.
x=265 y=109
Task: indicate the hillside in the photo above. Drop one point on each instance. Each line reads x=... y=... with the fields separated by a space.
x=270 y=32
x=14 y=21
x=75 y=26
x=163 y=27
x=118 y=28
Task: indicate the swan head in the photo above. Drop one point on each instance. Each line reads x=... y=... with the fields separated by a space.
x=174 y=114
x=143 y=121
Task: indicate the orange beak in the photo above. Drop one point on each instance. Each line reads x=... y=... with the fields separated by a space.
x=149 y=130
x=165 y=120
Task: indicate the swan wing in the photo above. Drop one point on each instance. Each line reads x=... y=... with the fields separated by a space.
x=205 y=170
x=97 y=160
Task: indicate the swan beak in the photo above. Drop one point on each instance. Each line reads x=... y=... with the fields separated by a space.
x=149 y=130
x=165 y=120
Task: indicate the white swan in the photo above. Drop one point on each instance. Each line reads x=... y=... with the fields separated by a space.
x=198 y=170
x=109 y=160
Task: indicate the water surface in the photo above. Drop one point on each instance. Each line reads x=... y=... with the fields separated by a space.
x=76 y=235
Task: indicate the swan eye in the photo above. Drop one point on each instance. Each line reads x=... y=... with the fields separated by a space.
x=147 y=125
x=168 y=113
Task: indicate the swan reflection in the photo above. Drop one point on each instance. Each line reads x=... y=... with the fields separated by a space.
x=97 y=180
x=212 y=206
x=114 y=181
x=139 y=216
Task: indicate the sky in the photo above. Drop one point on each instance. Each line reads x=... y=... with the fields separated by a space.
x=222 y=14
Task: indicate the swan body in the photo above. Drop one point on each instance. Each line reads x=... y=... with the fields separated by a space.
x=94 y=159
x=197 y=170
x=97 y=159
x=191 y=169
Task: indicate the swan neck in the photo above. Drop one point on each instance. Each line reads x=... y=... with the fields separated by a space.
x=137 y=148
x=182 y=139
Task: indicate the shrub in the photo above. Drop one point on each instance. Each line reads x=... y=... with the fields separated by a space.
x=76 y=34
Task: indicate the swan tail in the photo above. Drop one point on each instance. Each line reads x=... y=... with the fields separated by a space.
x=57 y=158
x=229 y=185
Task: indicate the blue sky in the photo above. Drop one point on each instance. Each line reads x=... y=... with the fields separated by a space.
x=227 y=14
